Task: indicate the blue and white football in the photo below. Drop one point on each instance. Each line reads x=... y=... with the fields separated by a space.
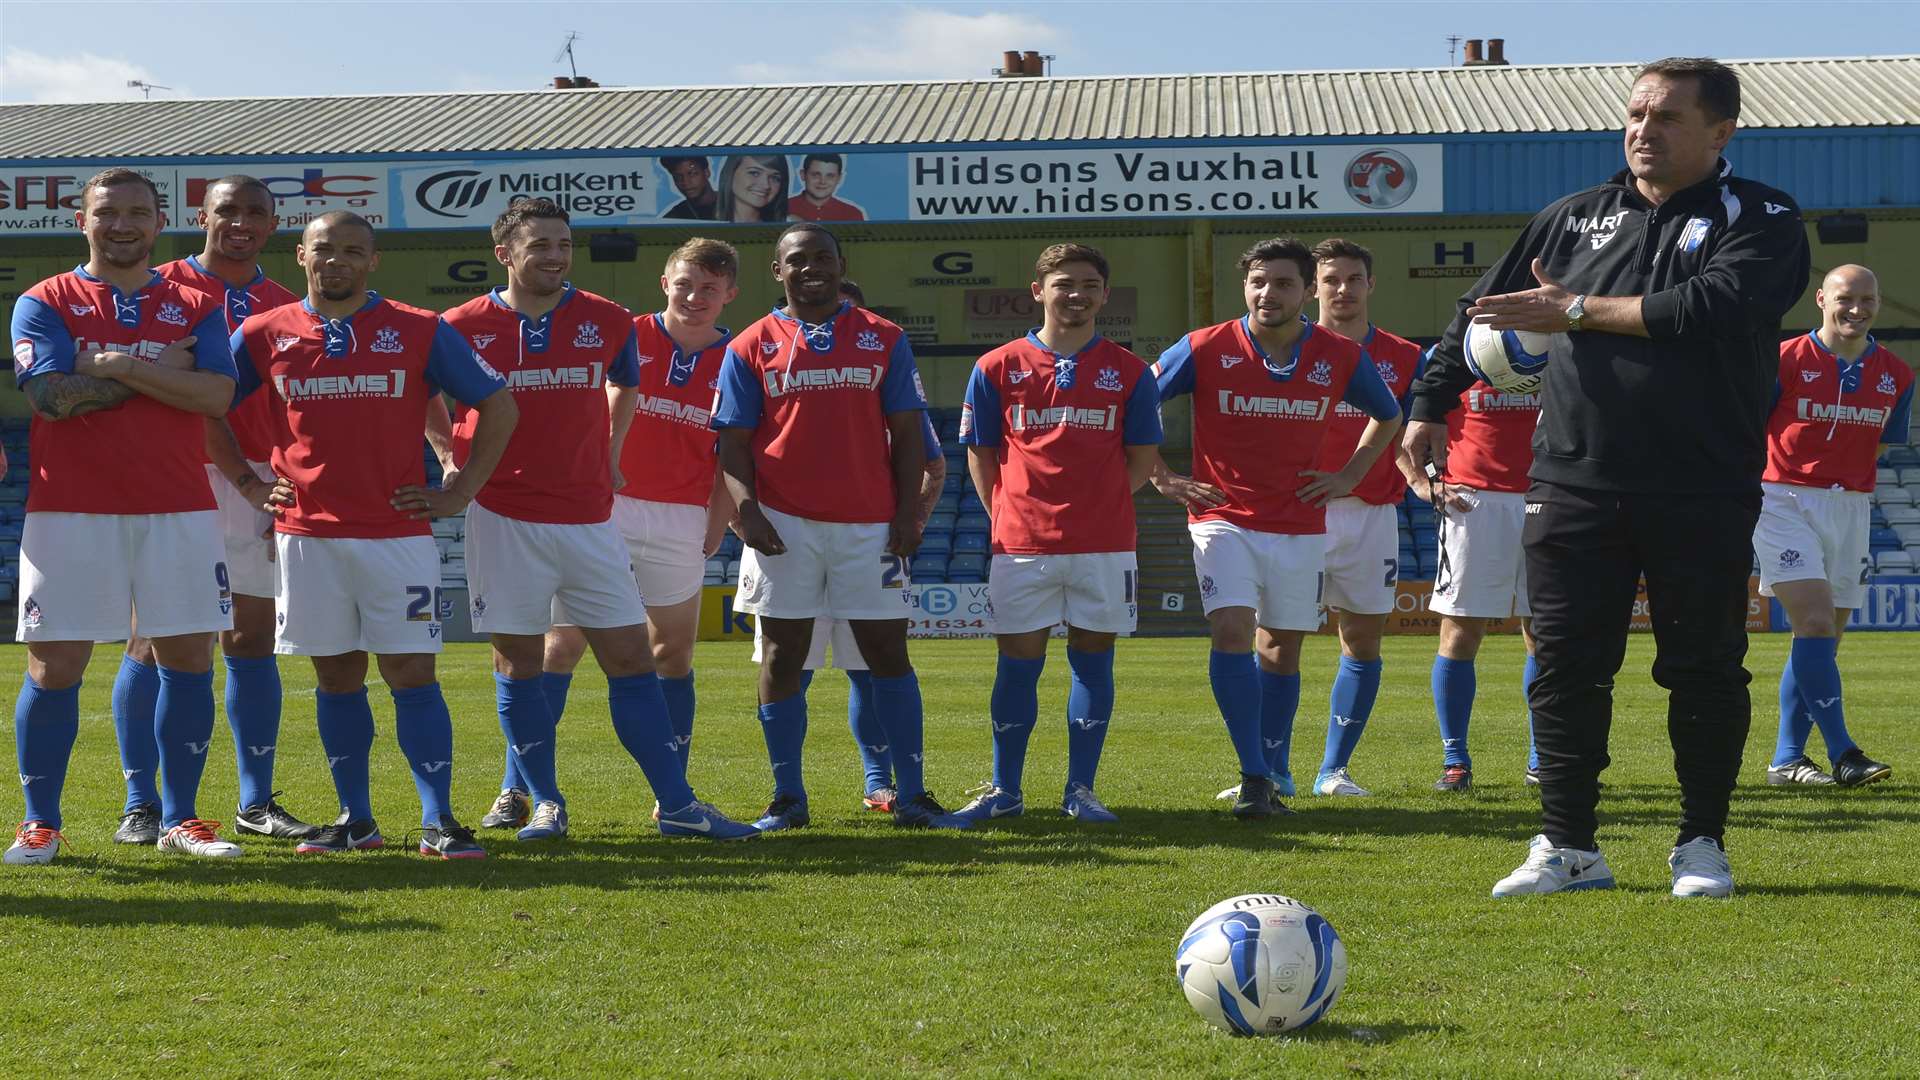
x=1261 y=964
x=1510 y=360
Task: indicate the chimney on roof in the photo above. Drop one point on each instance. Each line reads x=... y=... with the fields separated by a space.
x=573 y=82
x=1033 y=64
x=1015 y=65
x=1472 y=58
x=1496 y=51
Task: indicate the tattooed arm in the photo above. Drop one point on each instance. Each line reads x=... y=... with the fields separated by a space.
x=57 y=395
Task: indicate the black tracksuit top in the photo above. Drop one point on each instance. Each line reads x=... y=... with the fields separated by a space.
x=1684 y=409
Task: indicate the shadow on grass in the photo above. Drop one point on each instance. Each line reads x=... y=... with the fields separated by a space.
x=1369 y=1034
x=228 y=914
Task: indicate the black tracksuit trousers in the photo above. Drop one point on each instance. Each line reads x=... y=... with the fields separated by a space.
x=1586 y=551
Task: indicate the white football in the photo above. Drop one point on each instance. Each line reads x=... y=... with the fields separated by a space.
x=1510 y=360
x=1261 y=964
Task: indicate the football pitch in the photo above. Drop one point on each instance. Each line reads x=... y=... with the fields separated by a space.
x=1037 y=947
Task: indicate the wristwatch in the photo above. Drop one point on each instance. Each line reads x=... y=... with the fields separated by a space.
x=1576 y=311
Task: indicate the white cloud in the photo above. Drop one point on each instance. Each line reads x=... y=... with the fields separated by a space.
x=918 y=43
x=32 y=76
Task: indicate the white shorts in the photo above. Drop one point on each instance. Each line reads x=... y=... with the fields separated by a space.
x=830 y=569
x=1813 y=534
x=1278 y=575
x=247 y=532
x=83 y=576
x=1483 y=570
x=846 y=651
x=526 y=576
x=339 y=595
x=665 y=544
x=1094 y=591
x=1363 y=557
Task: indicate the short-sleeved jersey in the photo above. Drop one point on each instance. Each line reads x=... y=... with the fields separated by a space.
x=351 y=395
x=1060 y=426
x=1829 y=417
x=252 y=422
x=1397 y=361
x=669 y=453
x=801 y=208
x=817 y=397
x=142 y=456
x=556 y=468
x=1259 y=420
x=1490 y=439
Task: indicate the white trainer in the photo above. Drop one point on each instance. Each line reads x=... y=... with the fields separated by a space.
x=1700 y=868
x=1550 y=869
x=34 y=844
x=1339 y=782
x=196 y=837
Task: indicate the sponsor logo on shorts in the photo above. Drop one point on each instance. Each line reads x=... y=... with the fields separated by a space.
x=1790 y=559
x=588 y=337
x=386 y=340
x=30 y=613
x=869 y=341
x=171 y=315
x=1109 y=379
x=479 y=606
x=1322 y=373
x=1207 y=587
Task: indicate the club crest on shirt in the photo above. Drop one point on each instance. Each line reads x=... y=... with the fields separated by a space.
x=1227 y=360
x=386 y=340
x=80 y=310
x=868 y=340
x=1387 y=373
x=171 y=315
x=1809 y=376
x=481 y=341
x=1018 y=377
x=1322 y=373
x=588 y=337
x=1108 y=379
x=1791 y=559
x=1886 y=385
x=283 y=342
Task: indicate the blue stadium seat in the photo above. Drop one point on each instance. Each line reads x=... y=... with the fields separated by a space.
x=970 y=503
x=972 y=563
x=955 y=484
x=936 y=544
x=1902 y=457
x=970 y=541
x=948 y=504
x=730 y=546
x=11 y=529
x=929 y=569
x=938 y=522
x=733 y=570
x=1877 y=540
x=973 y=522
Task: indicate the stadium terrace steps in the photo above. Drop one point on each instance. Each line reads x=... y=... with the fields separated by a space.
x=1165 y=555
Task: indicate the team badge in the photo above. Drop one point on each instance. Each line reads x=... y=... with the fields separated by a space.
x=1109 y=379
x=1207 y=587
x=768 y=348
x=171 y=315
x=1018 y=377
x=588 y=337
x=30 y=613
x=386 y=340
x=481 y=341
x=1886 y=384
x=919 y=388
x=869 y=341
x=1694 y=234
x=1227 y=360
x=966 y=420
x=1791 y=559
x=478 y=607
x=23 y=353
x=1387 y=374
x=1322 y=373
x=1809 y=376
x=80 y=310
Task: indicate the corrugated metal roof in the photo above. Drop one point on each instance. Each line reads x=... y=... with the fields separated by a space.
x=1795 y=93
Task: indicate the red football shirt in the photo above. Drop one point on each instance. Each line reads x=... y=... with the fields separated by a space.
x=669 y=454
x=1830 y=417
x=252 y=421
x=556 y=468
x=1397 y=361
x=1060 y=426
x=1490 y=439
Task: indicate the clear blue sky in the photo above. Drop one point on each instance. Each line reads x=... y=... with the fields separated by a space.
x=79 y=50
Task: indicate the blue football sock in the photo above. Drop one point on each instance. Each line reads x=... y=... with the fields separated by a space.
x=1527 y=672
x=45 y=723
x=346 y=735
x=134 y=692
x=1236 y=689
x=528 y=726
x=1354 y=689
x=680 y=704
x=183 y=726
x=1089 y=712
x=1013 y=710
x=901 y=713
x=1279 y=701
x=424 y=730
x=876 y=754
x=784 y=725
x=1453 y=690
x=1796 y=723
x=253 y=714
x=1816 y=668
x=640 y=719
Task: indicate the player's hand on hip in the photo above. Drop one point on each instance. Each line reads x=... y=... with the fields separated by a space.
x=102 y=364
x=903 y=534
x=1542 y=310
x=758 y=533
x=178 y=355
x=273 y=496
x=1322 y=488
x=1190 y=493
x=448 y=476
x=420 y=503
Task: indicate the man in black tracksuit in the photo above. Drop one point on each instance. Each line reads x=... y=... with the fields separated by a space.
x=1663 y=290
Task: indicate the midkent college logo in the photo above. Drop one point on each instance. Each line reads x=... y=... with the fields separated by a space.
x=1232 y=404
x=391 y=384
x=825 y=378
x=1021 y=418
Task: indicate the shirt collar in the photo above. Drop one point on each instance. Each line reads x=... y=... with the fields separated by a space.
x=372 y=299
x=153 y=277
x=1280 y=372
x=259 y=275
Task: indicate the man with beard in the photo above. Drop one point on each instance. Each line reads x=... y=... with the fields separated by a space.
x=122 y=368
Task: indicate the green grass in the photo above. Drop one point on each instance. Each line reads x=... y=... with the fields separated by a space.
x=1035 y=948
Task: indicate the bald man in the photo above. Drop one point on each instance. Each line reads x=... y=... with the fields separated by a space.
x=1839 y=395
